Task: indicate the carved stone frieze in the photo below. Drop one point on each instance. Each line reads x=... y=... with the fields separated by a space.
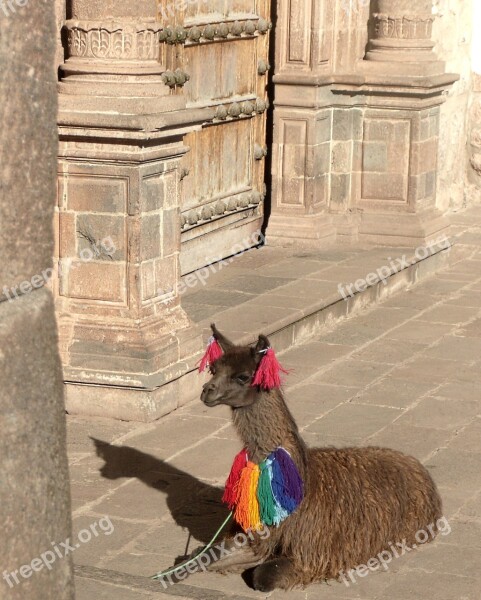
x=114 y=40
x=411 y=27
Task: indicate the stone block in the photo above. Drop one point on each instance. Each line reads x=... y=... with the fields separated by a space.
x=397 y=393
x=121 y=403
x=354 y=373
x=89 y=190
x=341 y=157
x=99 y=233
x=374 y=156
x=149 y=289
x=339 y=191
x=354 y=422
x=150 y=237
x=388 y=186
x=357 y=124
x=97 y=281
x=170 y=232
x=171 y=197
x=34 y=488
x=415 y=440
x=456 y=469
x=165 y=274
x=431 y=183
x=440 y=414
x=424 y=156
x=357 y=156
x=321 y=158
x=67 y=234
x=323 y=128
x=153 y=192
x=342 y=124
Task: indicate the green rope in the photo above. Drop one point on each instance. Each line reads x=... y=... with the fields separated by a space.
x=203 y=551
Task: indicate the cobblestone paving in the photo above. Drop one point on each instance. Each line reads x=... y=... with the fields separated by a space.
x=406 y=374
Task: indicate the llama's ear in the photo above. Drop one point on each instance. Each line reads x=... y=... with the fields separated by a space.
x=261 y=347
x=223 y=342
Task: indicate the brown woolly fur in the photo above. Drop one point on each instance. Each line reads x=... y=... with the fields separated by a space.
x=358 y=501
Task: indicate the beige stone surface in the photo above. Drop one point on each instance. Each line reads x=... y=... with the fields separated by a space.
x=165 y=478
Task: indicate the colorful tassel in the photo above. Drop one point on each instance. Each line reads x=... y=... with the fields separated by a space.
x=281 y=513
x=230 y=491
x=268 y=372
x=247 y=507
x=294 y=487
x=266 y=493
x=212 y=353
x=267 y=502
x=279 y=489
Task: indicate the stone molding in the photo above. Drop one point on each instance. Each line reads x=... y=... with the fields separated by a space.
x=114 y=40
x=413 y=27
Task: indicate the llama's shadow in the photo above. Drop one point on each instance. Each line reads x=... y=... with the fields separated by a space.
x=194 y=505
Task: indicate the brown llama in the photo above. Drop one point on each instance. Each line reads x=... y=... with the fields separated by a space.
x=357 y=501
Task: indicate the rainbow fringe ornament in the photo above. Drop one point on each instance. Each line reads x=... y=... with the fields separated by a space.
x=212 y=353
x=263 y=494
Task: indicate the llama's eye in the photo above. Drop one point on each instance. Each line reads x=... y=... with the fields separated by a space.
x=242 y=379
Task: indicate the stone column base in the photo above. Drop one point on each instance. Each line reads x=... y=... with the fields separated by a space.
x=403 y=229
x=133 y=404
x=306 y=231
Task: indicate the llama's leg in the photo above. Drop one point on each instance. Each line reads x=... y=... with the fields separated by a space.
x=277 y=573
x=229 y=557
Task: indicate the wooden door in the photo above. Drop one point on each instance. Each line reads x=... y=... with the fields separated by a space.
x=224 y=50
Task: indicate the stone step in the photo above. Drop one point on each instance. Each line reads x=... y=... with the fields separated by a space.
x=291 y=297
x=288 y=295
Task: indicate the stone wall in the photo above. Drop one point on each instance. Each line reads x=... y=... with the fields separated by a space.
x=474 y=125
x=34 y=484
x=453 y=32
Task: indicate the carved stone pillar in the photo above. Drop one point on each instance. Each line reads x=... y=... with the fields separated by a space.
x=123 y=333
x=302 y=125
x=403 y=89
x=356 y=135
x=402 y=32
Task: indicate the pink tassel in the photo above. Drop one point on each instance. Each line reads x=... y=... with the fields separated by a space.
x=212 y=353
x=268 y=372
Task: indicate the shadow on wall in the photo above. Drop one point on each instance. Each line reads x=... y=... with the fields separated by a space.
x=195 y=505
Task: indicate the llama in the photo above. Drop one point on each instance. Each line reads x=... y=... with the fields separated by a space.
x=357 y=501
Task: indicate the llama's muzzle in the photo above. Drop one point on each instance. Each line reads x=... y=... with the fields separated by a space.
x=210 y=395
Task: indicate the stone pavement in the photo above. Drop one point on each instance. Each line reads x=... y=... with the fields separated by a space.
x=405 y=373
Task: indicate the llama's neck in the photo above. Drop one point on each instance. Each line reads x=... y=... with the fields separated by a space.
x=267 y=424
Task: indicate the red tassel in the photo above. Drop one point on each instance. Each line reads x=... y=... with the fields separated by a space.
x=268 y=372
x=230 y=492
x=213 y=352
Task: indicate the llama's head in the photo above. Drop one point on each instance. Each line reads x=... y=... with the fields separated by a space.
x=233 y=373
